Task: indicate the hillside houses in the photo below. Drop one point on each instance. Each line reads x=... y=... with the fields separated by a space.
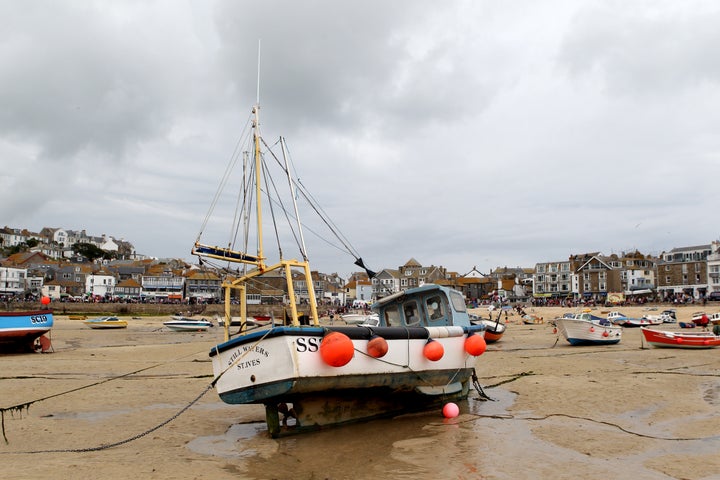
x=681 y=273
x=57 y=242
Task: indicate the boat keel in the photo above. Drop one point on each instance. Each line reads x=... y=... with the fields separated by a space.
x=316 y=412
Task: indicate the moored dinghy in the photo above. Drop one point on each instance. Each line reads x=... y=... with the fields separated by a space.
x=494 y=329
x=106 y=323
x=178 y=324
x=419 y=352
x=664 y=338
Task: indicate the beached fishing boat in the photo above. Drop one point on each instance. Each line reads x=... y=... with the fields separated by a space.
x=662 y=338
x=106 y=323
x=20 y=330
x=178 y=324
x=587 y=329
x=421 y=354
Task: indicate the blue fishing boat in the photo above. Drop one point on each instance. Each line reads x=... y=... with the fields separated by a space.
x=20 y=330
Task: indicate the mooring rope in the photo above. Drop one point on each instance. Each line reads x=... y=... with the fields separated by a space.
x=121 y=442
x=26 y=405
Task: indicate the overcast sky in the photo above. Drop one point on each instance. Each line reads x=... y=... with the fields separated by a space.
x=459 y=133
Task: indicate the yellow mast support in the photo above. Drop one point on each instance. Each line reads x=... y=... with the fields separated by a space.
x=311 y=293
x=258 y=190
x=228 y=314
x=291 y=294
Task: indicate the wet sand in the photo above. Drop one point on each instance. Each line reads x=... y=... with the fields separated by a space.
x=617 y=411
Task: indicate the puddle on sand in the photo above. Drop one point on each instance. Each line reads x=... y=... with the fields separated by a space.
x=235 y=441
x=404 y=447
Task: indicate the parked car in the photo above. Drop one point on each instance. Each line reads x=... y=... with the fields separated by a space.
x=714 y=296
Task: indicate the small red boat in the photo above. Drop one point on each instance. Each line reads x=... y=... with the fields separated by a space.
x=663 y=338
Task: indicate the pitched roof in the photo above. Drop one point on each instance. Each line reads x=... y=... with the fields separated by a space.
x=412 y=263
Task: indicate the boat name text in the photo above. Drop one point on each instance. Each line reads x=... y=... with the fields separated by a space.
x=38 y=319
x=310 y=344
x=246 y=349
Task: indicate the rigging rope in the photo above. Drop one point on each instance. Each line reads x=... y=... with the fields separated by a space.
x=226 y=176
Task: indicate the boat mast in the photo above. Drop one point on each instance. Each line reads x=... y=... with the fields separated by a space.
x=258 y=167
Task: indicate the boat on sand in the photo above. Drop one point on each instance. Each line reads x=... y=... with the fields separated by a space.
x=106 y=323
x=20 y=330
x=188 y=325
x=619 y=318
x=670 y=339
x=421 y=353
x=586 y=329
x=494 y=329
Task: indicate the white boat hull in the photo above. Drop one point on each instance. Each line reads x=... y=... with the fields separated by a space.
x=354 y=318
x=187 y=326
x=584 y=332
x=284 y=365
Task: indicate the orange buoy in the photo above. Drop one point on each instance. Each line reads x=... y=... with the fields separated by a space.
x=475 y=344
x=605 y=333
x=451 y=410
x=433 y=350
x=336 y=349
x=555 y=330
x=679 y=340
x=377 y=346
x=592 y=329
x=45 y=300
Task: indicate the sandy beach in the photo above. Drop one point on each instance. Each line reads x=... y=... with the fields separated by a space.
x=136 y=402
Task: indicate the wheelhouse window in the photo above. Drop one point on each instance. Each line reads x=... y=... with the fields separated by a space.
x=435 y=308
x=412 y=313
x=458 y=301
x=392 y=317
